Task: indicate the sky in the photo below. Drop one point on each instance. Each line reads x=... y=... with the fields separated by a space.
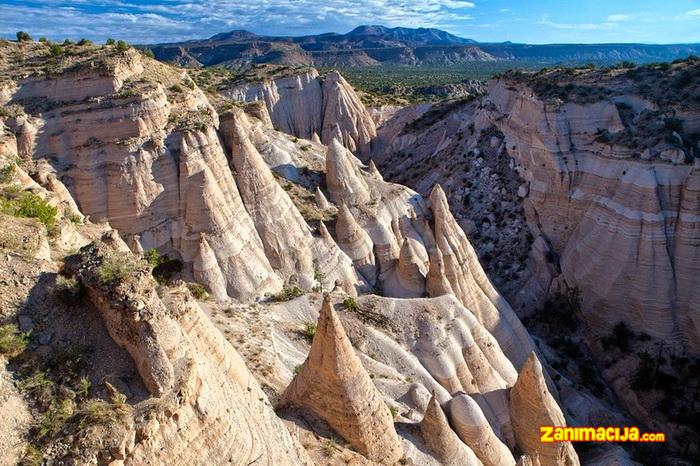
x=530 y=21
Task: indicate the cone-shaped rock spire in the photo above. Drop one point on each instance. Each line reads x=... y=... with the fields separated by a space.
x=343 y=177
x=474 y=429
x=437 y=283
x=333 y=384
x=374 y=173
x=207 y=272
x=356 y=243
x=283 y=231
x=334 y=263
x=533 y=406
x=321 y=201
x=472 y=287
x=410 y=273
x=443 y=442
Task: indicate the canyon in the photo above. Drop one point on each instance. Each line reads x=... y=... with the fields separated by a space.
x=273 y=273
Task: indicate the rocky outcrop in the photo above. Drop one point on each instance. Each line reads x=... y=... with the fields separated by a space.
x=207 y=395
x=620 y=219
x=284 y=233
x=532 y=406
x=471 y=286
x=307 y=104
x=206 y=271
x=343 y=177
x=443 y=442
x=335 y=386
x=474 y=429
x=356 y=243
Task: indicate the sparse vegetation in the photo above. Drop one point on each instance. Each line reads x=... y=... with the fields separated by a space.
x=12 y=341
x=198 y=291
x=68 y=289
x=288 y=293
x=309 y=330
x=7 y=172
x=114 y=269
x=394 y=411
x=27 y=204
x=110 y=41
x=163 y=267
x=122 y=46
x=350 y=303
x=297 y=368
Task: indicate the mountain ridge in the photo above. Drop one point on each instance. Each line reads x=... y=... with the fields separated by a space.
x=369 y=45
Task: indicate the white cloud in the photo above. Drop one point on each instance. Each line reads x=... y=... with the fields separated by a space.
x=695 y=12
x=172 y=20
x=619 y=18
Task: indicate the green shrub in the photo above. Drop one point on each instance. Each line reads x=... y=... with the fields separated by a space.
x=68 y=289
x=309 y=330
x=43 y=39
x=350 y=303
x=54 y=418
x=148 y=53
x=163 y=267
x=28 y=204
x=23 y=36
x=12 y=341
x=110 y=41
x=114 y=269
x=32 y=456
x=122 y=46
x=288 y=293
x=198 y=291
x=297 y=368
x=39 y=386
x=7 y=172
x=394 y=411
x=67 y=42
x=84 y=41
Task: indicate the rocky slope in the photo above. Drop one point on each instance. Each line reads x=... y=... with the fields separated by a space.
x=142 y=182
x=578 y=180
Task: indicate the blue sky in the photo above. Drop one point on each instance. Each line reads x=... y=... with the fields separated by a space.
x=538 y=21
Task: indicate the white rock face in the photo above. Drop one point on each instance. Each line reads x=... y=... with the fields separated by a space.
x=622 y=228
x=307 y=105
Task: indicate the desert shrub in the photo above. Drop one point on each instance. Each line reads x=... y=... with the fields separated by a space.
x=53 y=419
x=297 y=368
x=288 y=293
x=110 y=41
x=198 y=291
x=28 y=204
x=84 y=41
x=7 y=172
x=23 y=36
x=12 y=341
x=163 y=267
x=97 y=412
x=350 y=303
x=67 y=289
x=309 y=330
x=122 y=46
x=394 y=411
x=175 y=88
x=114 y=269
x=32 y=456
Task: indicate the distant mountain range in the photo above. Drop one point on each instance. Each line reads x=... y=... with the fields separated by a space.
x=375 y=45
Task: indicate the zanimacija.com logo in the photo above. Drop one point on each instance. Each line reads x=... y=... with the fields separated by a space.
x=553 y=434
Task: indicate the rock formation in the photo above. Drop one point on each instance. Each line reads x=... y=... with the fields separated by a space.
x=306 y=105
x=343 y=178
x=472 y=427
x=443 y=442
x=532 y=406
x=356 y=243
x=335 y=386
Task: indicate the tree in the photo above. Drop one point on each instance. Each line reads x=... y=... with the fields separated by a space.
x=23 y=36
x=55 y=50
x=84 y=41
x=110 y=41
